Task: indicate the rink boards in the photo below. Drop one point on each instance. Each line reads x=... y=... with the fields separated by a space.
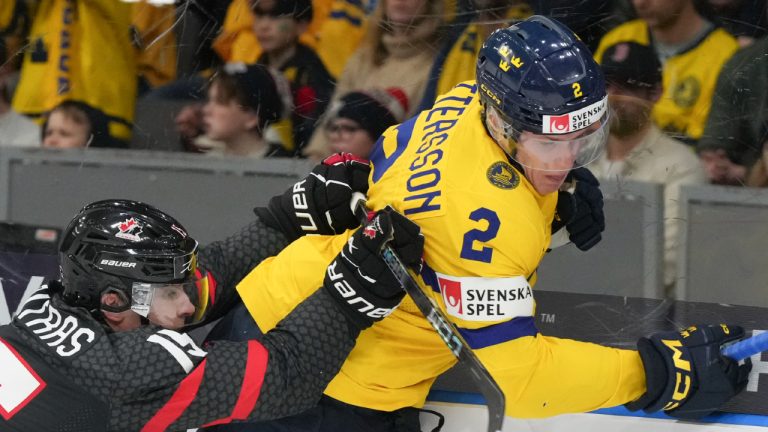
x=463 y=413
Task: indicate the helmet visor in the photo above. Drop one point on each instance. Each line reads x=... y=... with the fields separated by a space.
x=171 y=305
x=552 y=151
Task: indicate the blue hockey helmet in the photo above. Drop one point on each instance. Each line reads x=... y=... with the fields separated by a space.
x=540 y=85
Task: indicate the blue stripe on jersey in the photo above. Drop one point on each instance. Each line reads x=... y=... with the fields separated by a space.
x=382 y=163
x=343 y=15
x=499 y=333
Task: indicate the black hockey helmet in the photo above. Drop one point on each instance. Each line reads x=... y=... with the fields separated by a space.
x=131 y=249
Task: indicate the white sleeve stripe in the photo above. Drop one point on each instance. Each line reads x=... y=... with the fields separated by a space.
x=175 y=351
x=176 y=336
x=319 y=177
x=338 y=183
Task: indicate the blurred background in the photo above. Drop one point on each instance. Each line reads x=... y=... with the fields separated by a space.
x=206 y=108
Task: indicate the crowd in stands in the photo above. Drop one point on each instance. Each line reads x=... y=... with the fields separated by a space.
x=688 y=79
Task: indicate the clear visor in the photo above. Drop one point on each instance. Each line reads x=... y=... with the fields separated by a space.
x=171 y=306
x=551 y=152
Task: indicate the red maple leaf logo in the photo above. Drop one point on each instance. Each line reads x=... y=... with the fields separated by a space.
x=370 y=232
x=128 y=225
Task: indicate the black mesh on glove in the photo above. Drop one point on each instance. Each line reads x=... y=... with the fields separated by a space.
x=685 y=373
x=360 y=280
x=581 y=212
x=319 y=203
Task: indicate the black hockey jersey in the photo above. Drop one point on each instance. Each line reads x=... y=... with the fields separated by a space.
x=62 y=370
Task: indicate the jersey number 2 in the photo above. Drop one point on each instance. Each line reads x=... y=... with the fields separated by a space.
x=483 y=253
x=19 y=384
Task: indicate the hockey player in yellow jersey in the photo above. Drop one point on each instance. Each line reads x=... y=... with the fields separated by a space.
x=480 y=173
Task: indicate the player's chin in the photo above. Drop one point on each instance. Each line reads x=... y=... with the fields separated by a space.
x=550 y=181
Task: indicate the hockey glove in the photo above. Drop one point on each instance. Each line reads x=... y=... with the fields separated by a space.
x=359 y=279
x=319 y=203
x=685 y=374
x=581 y=212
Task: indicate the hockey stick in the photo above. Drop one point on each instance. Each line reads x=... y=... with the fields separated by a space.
x=494 y=397
x=747 y=347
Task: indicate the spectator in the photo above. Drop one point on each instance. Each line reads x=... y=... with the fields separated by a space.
x=15 y=129
x=398 y=49
x=73 y=124
x=234 y=42
x=692 y=51
x=737 y=127
x=278 y=26
x=455 y=62
x=745 y=19
x=237 y=41
x=636 y=149
x=243 y=100
x=81 y=50
x=356 y=121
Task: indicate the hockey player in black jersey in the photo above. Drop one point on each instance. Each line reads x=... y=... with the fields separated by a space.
x=101 y=349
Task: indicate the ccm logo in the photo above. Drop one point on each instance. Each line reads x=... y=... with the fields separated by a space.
x=351 y=296
x=115 y=263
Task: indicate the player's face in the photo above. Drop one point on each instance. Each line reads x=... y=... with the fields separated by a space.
x=553 y=162
x=64 y=132
x=171 y=307
x=225 y=120
x=346 y=135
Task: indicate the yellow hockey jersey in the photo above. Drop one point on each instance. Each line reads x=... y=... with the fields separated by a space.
x=486 y=231
x=81 y=50
x=688 y=77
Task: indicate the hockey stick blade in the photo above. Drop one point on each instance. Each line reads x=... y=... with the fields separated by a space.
x=494 y=396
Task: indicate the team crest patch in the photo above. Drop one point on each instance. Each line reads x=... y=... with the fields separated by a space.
x=129 y=229
x=686 y=92
x=502 y=175
x=372 y=229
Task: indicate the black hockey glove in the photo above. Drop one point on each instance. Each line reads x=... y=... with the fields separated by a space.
x=581 y=212
x=320 y=202
x=358 y=278
x=685 y=374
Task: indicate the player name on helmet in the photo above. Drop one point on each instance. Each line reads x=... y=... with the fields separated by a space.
x=116 y=263
x=350 y=295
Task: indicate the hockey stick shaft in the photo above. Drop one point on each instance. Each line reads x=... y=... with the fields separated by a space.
x=494 y=396
x=747 y=347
